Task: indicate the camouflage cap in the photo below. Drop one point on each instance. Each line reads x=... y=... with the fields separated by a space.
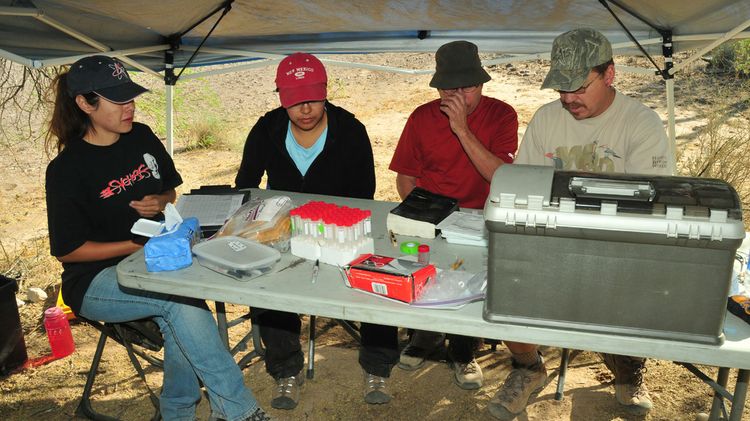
x=573 y=55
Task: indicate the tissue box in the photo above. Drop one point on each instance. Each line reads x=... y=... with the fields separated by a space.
x=172 y=251
x=400 y=279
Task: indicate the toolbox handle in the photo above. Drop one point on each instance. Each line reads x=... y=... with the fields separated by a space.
x=642 y=191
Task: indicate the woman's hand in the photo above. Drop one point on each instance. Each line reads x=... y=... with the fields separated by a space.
x=152 y=204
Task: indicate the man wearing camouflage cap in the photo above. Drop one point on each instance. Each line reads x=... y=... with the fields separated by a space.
x=592 y=128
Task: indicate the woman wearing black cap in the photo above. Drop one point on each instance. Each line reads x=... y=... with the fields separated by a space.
x=110 y=171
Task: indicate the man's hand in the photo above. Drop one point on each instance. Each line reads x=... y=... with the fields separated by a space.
x=454 y=106
x=150 y=205
x=405 y=184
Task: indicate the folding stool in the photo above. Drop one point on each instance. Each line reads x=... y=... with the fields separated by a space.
x=136 y=336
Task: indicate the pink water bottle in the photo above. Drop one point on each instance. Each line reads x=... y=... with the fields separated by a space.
x=58 y=332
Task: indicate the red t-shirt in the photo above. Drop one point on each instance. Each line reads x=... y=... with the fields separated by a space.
x=431 y=152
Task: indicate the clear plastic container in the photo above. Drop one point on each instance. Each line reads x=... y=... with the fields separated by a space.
x=237 y=257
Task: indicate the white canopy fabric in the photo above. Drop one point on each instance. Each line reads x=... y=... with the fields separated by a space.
x=144 y=33
x=36 y=32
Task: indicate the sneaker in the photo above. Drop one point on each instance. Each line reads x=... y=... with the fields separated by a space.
x=468 y=376
x=375 y=390
x=422 y=344
x=521 y=383
x=629 y=388
x=287 y=392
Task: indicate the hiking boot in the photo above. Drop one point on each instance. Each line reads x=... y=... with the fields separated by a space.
x=468 y=376
x=287 y=392
x=375 y=389
x=629 y=388
x=521 y=383
x=422 y=344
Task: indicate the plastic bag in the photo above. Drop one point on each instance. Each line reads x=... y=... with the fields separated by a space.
x=263 y=220
x=453 y=289
x=172 y=250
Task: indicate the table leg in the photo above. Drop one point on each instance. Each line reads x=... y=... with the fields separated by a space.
x=564 y=355
x=718 y=403
x=311 y=349
x=221 y=321
x=740 y=393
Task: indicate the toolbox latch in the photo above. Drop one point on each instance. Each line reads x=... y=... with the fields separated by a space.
x=718 y=215
x=674 y=212
x=567 y=205
x=608 y=208
x=507 y=200
x=535 y=202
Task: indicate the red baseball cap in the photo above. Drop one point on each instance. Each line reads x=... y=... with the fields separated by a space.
x=301 y=77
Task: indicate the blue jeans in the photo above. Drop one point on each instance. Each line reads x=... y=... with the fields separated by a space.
x=192 y=348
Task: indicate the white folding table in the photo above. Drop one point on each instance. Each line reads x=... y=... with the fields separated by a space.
x=289 y=288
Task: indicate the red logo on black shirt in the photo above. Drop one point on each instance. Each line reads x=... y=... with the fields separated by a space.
x=121 y=184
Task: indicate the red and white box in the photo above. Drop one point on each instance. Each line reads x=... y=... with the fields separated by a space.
x=399 y=279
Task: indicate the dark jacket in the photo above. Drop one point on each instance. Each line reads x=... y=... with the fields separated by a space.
x=344 y=167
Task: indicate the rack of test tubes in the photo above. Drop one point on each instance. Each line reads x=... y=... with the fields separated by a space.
x=330 y=233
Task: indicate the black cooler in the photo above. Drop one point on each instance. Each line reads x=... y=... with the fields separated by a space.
x=628 y=254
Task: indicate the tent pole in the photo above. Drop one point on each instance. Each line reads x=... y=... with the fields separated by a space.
x=667 y=50
x=670 y=118
x=169 y=82
x=169 y=118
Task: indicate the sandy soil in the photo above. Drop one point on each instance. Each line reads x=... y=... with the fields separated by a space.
x=382 y=101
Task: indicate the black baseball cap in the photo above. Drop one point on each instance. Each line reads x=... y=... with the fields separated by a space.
x=104 y=76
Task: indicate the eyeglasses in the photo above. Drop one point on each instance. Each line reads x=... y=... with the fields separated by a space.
x=582 y=89
x=463 y=89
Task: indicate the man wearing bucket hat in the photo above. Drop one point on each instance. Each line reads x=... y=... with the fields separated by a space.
x=310 y=145
x=593 y=127
x=452 y=146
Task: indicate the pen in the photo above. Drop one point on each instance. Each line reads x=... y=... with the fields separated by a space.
x=457 y=264
x=315 y=270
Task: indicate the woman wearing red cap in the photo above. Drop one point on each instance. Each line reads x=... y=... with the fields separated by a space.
x=108 y=173
x=309 y=145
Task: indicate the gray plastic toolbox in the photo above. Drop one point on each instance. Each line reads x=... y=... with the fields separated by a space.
x=628 y=254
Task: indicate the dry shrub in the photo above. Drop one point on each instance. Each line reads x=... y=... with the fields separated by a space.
x=721 y=150
x=31 y=264
x=203 y=134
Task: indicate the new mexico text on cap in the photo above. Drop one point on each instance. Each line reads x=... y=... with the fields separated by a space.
x=301 y=77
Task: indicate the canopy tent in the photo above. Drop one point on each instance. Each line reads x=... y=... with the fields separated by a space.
x=157 y=36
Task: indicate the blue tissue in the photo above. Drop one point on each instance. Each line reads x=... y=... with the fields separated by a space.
x=172 y=251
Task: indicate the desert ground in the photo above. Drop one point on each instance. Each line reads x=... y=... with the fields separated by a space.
x=227 y=106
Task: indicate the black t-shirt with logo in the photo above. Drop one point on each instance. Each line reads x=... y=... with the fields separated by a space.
x=89 y=189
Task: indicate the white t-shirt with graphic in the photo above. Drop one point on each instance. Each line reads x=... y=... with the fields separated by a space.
x=628 y=137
